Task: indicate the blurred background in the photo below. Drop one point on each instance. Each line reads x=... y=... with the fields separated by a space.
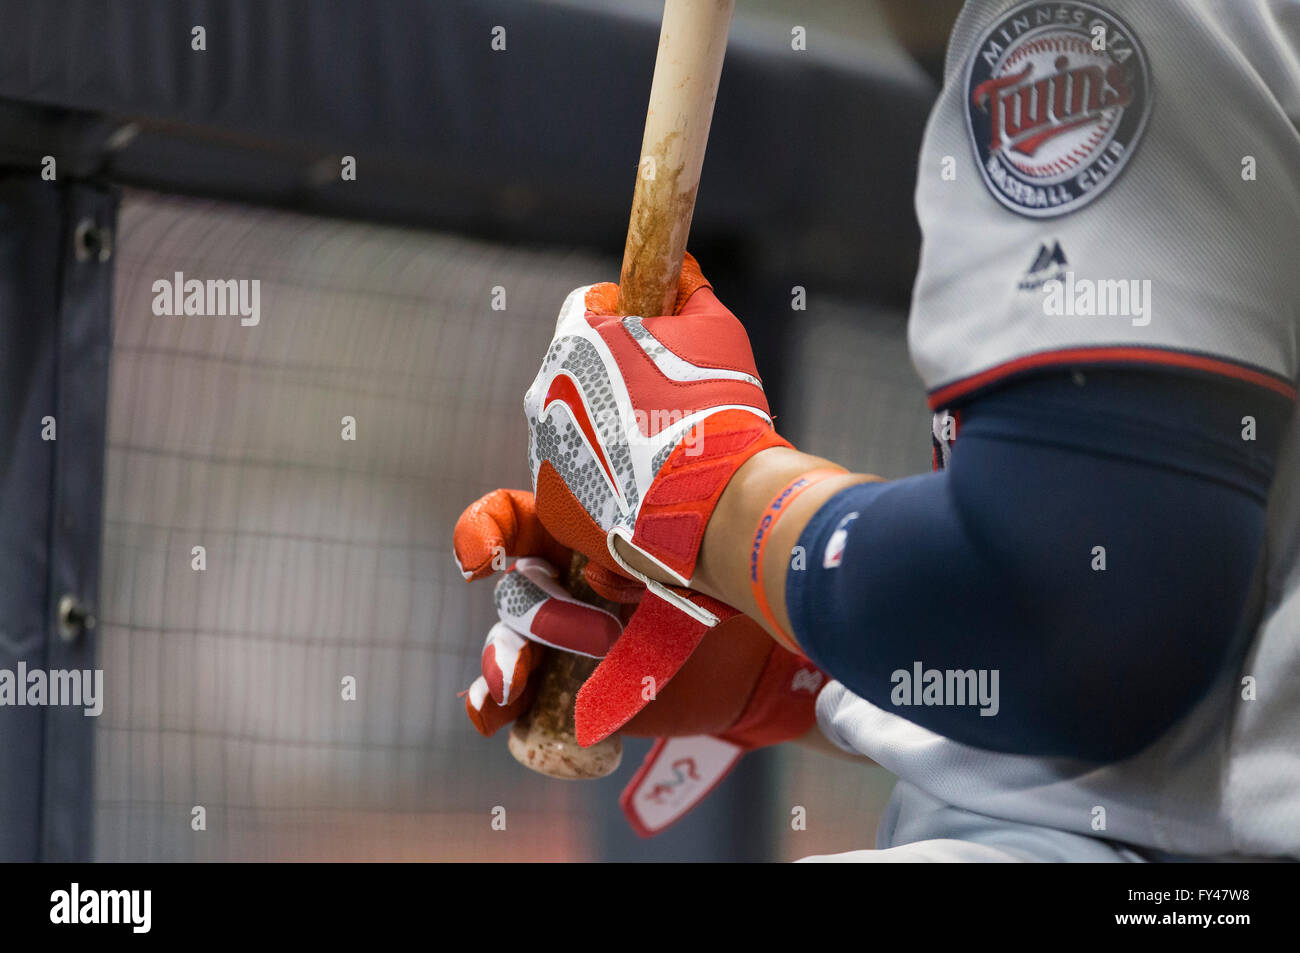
x=477 y=169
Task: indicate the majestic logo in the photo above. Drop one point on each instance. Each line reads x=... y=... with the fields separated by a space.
x=1057 y=95
x=1048 y=265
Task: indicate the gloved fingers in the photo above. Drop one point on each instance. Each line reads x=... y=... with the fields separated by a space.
x=507 y=662
x=486 y=715
x=502 y=524
x=531 y=601
x=691 y=280
x=602 y=298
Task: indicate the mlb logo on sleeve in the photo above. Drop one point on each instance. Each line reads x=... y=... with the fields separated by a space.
x=834 y=554
x=1057 y=96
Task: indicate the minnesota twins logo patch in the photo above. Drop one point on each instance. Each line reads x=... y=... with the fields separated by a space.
x=1057 y=95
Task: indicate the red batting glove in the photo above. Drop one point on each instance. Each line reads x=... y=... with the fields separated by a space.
x=533 y=608
x=637 y=424
x=738 y=691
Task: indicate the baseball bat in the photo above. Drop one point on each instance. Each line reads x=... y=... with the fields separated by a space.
x=692 y=41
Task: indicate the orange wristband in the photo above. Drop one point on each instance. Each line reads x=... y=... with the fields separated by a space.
x=780 y=503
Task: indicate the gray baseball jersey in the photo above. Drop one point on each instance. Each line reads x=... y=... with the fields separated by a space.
x=1117 y=182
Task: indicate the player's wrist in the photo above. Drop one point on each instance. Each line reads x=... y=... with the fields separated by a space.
x=764 y=471
x=724 y=567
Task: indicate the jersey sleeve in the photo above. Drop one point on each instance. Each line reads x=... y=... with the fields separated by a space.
x=1112 y=183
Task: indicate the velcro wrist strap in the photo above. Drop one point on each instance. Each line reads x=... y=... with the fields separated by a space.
x=677 y=507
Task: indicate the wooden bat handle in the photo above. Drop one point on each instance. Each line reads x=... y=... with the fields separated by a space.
x=692 y=42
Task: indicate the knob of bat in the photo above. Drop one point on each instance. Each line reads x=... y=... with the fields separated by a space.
x=544 y=738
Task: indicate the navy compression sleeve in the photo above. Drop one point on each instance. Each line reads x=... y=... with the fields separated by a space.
x=1087 y=555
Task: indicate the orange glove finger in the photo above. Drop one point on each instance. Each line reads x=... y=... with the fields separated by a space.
x=603 y=298
x=486 y=715
x=502 y=523
x=507 y=662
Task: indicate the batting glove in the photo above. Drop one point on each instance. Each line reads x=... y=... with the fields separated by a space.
x=738 y=691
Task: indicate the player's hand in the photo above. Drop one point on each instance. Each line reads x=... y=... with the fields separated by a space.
x=738 y=691
x=638 y=423
x=533 y=608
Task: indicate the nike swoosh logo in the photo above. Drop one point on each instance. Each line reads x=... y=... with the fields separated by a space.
x=564 y=391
